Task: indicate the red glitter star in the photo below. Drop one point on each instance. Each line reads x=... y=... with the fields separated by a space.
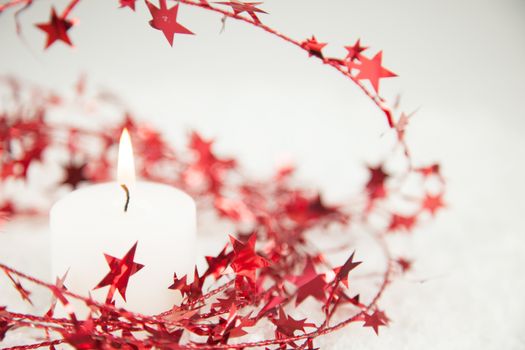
x=286 y=325
x=313 y=46
x=354 y=52
x=165 y=20
x=371 y=70
x=246 y=261
x=128 y=3
x=56 y=29
x=377 y=319
x=248 y=7
x=343 y=271
x=310 y=283
x=120 y=272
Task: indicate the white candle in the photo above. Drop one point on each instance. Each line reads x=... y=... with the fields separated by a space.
x=91 y=222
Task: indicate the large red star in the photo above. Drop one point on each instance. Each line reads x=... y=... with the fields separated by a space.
x=371 y=70
x=120 y=272
x=246 y=261
x=165 y=20
x=56 y=29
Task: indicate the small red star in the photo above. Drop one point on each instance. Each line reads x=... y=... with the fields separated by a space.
x=165 y=20
x=74 y=175
x=377 y=319
x=429 y=170
x=433 y=203
x=402 y=222
x=313 y=46
x=405 y=264
x=371 y=70
x=343 y=271
x=310 y=283
x=120 y=272
x=56 y=29
x=354 y=52
x=376 y=183
x=128 y=3
x=248 y=7
x=286 y=325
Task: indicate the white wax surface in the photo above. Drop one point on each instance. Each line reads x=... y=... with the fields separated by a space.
x=91 y=221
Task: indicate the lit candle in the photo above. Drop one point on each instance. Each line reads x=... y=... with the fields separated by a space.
x=99 y=219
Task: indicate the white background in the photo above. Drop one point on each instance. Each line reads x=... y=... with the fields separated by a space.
x=461 y=62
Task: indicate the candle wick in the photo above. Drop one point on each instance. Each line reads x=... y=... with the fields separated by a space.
x=126 y=189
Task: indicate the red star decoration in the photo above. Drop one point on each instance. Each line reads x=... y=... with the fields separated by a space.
x=56 y=29
x=343 y=271
x=371 y=70
x=287 y=326
x=75 y=174
x=429 y=170
x=376 y=183
x=246 y=261
x=165 y=20
x=128 y=3
x=402 y=222
x=354 y=52
x=248 y=7
x=433 y=203
x=193 y=288
x=309 y=284
x=217 y=265
x=304 y=210
x=120 y=272
x=377 y=319
x=405 y=264
x=314 y=47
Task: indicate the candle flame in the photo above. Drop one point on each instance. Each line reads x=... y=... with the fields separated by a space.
x=126 y=162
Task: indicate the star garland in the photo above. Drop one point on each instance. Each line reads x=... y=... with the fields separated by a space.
x=266 y=273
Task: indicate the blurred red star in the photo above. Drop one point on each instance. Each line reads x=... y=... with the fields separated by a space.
x=128 y=3
x=248 y=7
x=354 y=52
x=56 y=29
x=402 y=222
x=165 y=20
x=433 y=203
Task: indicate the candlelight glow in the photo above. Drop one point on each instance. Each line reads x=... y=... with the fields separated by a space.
x=126 y=163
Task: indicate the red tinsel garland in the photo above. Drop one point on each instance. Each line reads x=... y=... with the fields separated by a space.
x=244 y=286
